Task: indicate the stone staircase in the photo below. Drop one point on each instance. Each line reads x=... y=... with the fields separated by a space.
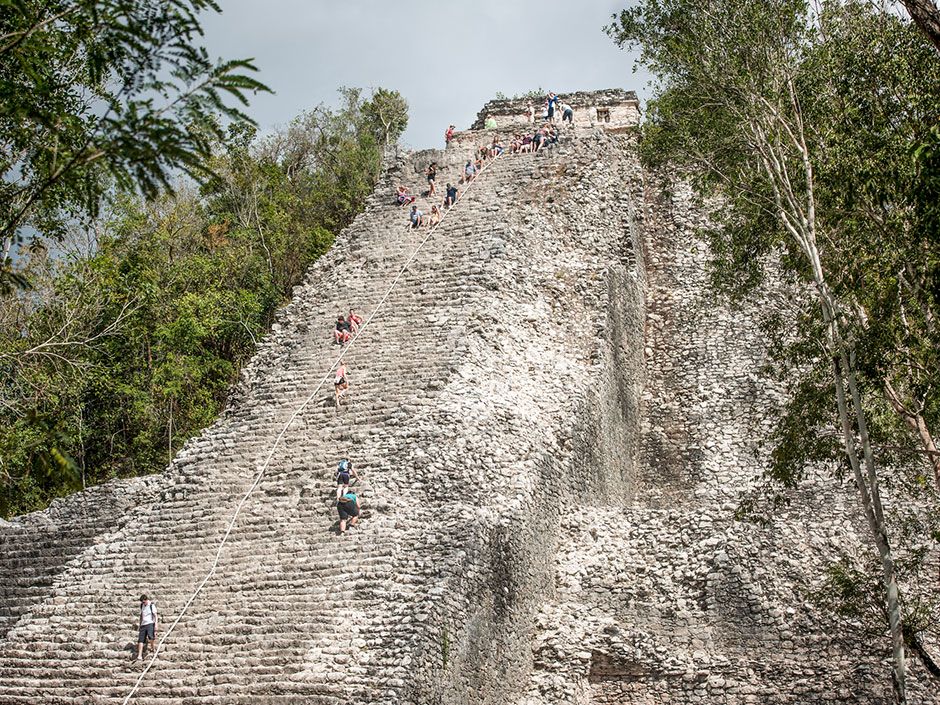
x=466 y=393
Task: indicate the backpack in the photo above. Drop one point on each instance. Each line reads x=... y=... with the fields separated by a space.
x=343 y=467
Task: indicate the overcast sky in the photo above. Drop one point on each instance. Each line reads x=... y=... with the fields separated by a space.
x=446 y=57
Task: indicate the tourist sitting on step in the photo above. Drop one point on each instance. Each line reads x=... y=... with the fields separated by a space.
x=539 y=140
x=345 y=472
x=342 y=331
x=417 y=217
x=469 y=171
x=348 y=507
x=146 y=626
x=404 y=198
x=450 y=197
x=431 y=173
x=435 y=216
x=526 y=144
x=340 y=383
x=354 y=321
x=495 y=148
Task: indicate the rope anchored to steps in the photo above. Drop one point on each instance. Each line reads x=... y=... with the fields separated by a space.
x=277 y=441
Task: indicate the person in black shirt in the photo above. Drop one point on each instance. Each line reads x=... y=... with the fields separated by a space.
x=451 y=197
x=431 y=174
x=342 y=331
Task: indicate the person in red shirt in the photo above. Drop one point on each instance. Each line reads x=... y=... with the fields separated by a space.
x=449 y=135
x=354 y=321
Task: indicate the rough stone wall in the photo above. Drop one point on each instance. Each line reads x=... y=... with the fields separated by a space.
x=37 y=548
x=669 y=599
x=484 y=401
x=554 y=421
x=612 y=108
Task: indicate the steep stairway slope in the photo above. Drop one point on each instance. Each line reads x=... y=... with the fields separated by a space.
x=464 y=395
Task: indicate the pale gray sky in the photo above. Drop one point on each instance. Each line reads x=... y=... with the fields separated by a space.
x=447 y=57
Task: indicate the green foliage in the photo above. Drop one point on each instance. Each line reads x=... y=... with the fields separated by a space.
x=124 y=350
x=101 y=92
x=810 y=129
x=534 y=95
x=866 y=83
x=386 y=113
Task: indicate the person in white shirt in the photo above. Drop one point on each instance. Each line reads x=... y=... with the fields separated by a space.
x=147 y=627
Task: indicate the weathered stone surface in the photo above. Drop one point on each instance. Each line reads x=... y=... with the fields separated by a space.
x=614 y=108
x=669 y=599
x=551 y=418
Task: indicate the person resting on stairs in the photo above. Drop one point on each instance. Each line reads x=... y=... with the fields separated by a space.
x=146 y=626
x=495 y=148
x=354 y=321
x=404 y=198
x=469 y=171
x=341 y=331
x=435 y=216
x=348 y=507
x=538 y=140
x=417 y=217
x=344 y=472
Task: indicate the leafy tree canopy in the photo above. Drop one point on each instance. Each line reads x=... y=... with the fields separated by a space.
x=102 y=92
x=812 y=128
x=130 y=339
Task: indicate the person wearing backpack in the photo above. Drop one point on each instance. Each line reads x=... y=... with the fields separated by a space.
x=344 y=471
x=147 y=626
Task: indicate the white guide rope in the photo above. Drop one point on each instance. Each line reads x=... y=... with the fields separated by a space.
x=264 y=467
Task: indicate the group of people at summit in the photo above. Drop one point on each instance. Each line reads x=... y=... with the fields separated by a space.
x=524 y=141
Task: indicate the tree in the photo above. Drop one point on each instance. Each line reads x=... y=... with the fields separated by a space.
x=386 y=112
x=926 y=15
x=102 y=92
x=776 y=107
x=128 y=345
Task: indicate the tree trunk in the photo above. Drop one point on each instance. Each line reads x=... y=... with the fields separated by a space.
x=916 y=423
x=844 y=376
x=927 y=17
x=917 y=647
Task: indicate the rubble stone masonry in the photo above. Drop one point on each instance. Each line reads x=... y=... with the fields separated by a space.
x=555 y=422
